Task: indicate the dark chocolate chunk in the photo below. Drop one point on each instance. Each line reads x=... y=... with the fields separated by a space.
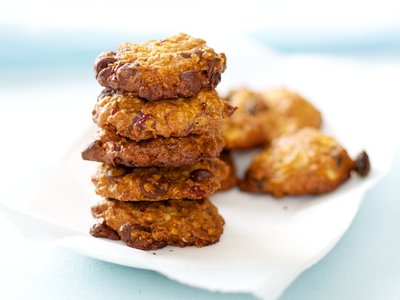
x=102 y=230
x=200 y=174
x=362 y=164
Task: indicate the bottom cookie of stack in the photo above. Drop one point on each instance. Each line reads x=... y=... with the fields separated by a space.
x=153 y=225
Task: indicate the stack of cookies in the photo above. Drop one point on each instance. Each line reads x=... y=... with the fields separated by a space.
x=158 y=143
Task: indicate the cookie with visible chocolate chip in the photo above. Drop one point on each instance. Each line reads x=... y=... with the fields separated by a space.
x=154 y=225
x=178 y=66
x=264 y=116
x=154 y=184
x=306 y=162
x=113 y=149
x=139 y=119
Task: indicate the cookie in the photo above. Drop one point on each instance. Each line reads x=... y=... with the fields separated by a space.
x=290 y=112
x=178 y=66
x=154 y=184
x=112 y=149
x=139 y=119
x=306 y=162
x=231 y=180
x=154 y=225
x=264 y=116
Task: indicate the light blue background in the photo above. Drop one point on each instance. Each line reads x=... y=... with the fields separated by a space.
x=364 y=265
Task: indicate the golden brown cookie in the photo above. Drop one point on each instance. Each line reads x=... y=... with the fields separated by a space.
x=154 y=184
x=263 y=116
x=178 y=66
x=112 y=149
x=153 y=225
x=306 y=162
x=289 y=113
x=231 y=180
x=245 y=128
x=139 y=119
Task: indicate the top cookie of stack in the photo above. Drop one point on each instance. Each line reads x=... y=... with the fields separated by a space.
x=179 y=66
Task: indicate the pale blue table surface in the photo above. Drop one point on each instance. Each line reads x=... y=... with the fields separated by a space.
x=365 y=264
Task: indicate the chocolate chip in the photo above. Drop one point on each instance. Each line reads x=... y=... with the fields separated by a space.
x=103 y=61
x=139 y=227
x=139 y=237
x=103 y=75
x=126 y=72
x=92 y=151
x=158 y=244
x=102 y=230
x=185 y=55
x=362 y=164
x=211 y=67
x=213 y=73
x=125 y=231
x=215 y=79
x=155 y=192
x=190 y=75
x=128 y=67
x=192 y=80
x=200 y=174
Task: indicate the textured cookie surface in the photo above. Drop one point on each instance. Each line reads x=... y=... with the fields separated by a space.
x=139 y=119
x=153 y=225
x=178 y=66
x=263 y=116
x=155 y=184
x=112 y=149
x=302 y=163
x=231 y=180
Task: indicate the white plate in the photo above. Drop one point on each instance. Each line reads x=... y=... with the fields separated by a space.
x=266 y=243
